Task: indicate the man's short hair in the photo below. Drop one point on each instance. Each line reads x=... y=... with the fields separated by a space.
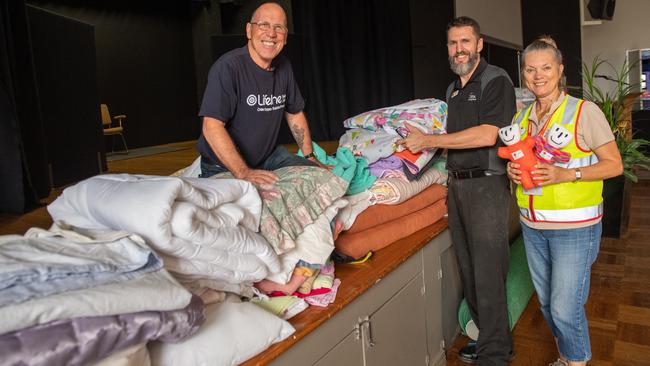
x=465 y=22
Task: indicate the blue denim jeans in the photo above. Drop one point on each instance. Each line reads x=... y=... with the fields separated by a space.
x=560 y=265
x=279 y=158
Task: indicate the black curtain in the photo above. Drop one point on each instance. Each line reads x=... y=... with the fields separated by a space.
x=145 y=65
x=504 y=57
x=357 y=57
x=431 y=72
x=65 y=63
x=23 y=162
x=564 y=28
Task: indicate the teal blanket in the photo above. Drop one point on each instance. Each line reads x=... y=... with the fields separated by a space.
x=353 y=169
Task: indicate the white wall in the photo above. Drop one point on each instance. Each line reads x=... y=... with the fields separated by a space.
x=500 y=19
x=630 y=29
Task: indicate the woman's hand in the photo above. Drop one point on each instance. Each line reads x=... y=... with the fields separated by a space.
x=545 y=174
x=416 y=140
x=513 y=172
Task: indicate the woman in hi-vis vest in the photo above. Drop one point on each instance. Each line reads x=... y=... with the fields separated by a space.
x=561 y=217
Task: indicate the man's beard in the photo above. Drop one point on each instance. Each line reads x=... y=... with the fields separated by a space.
x=464 y=68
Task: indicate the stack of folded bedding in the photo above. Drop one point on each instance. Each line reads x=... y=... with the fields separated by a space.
x=71 y=296
x=395 y=190
x=204 y=229
x=212 y=234
x=381 y=225
x=373 y=134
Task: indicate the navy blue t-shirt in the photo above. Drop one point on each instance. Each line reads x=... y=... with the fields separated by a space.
x=251 y=102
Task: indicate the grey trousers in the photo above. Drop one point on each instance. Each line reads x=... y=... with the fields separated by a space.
x=478 y=223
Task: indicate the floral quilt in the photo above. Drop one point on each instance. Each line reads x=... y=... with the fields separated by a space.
x=301 y=194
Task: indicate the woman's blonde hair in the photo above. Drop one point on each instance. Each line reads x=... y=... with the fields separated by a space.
x=544 y=43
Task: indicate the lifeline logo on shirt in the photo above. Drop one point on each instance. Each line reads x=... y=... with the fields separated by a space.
x=265 y=102
x=471 y=97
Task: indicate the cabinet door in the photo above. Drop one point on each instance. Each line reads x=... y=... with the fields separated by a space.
x=433 y=275
x=396 y=333
x=346 y=353
x=452 y=290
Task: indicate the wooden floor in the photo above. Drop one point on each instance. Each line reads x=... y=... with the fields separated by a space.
x=618 y=307
x=160 y=164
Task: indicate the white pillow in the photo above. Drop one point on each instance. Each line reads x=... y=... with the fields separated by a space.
x=232 y=333
x=137 y=355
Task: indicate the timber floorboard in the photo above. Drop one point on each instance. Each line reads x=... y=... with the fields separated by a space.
x=619 y=303
x=159 y=164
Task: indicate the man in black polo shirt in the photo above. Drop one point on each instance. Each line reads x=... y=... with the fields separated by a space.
x=481 y=101
x=249 y=90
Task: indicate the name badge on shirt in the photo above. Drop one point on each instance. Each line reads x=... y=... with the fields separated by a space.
x=455 y=93
x=537 y=191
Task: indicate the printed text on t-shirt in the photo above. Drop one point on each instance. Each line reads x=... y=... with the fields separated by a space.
x=265 y=102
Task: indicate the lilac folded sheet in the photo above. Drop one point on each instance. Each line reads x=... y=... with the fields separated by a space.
x=86 y=340
x=382 y=166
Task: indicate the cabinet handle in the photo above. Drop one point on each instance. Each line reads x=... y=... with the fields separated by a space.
x=367 y=331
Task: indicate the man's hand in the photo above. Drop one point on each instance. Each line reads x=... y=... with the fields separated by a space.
x=416 y=140
x=321 y=165
x=259 y=176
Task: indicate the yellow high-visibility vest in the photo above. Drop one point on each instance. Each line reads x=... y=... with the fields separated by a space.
x=570 y=202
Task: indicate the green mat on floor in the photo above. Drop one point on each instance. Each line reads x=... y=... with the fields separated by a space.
x=519 y=287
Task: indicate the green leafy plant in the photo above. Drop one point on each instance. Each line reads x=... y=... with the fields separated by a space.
x=632 y=153
x=612 y=103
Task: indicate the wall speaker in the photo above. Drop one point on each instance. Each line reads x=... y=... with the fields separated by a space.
x=601 y=9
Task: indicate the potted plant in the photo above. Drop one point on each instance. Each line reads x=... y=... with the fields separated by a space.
x=616 y=105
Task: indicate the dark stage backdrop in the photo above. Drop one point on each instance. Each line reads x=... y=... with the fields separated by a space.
x=64 y=58
x=145 y=64
x=356 y=57
x=23 y=162
x=431 y=71
x=563 y=26
x=504 y=57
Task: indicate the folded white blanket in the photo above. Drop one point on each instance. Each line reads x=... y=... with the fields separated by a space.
x=202 y=227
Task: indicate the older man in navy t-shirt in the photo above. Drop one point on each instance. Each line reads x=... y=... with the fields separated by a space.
x=249 y=90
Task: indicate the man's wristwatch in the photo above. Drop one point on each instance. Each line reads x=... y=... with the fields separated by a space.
x=310 y=155
x=578 y=174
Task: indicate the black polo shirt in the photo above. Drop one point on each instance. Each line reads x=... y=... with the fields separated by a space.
x=470 y=106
